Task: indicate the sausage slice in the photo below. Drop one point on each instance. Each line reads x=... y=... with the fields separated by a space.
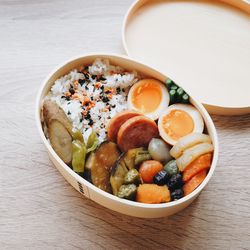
x=136 y=132
x=116 y=122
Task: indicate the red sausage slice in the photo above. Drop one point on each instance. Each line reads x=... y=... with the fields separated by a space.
x=136 y=132
x=116 y=122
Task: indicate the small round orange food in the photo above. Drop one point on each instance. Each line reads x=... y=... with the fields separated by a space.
x=136 y=132
x=149 y=169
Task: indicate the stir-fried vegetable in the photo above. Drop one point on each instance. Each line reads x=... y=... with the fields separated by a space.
x=92 y=142
x=78 y=156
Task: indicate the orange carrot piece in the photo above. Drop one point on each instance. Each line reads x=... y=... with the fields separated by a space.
x=152 y=194
x=193 y=183
x=203 y=162
x=149 y=169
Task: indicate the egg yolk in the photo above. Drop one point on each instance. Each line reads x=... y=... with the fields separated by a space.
x=147 y=97
x=177 y=124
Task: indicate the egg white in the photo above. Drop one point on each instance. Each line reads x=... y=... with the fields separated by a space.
x=189 y=109
x=162 y=106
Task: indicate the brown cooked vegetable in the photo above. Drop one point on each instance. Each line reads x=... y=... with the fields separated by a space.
x=60 y=140
x=101 y=163
x=51 y=111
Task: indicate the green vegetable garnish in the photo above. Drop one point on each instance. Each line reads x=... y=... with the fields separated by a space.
x=174 y=87
x=92 y=142
x=172 y=94
x=179 y=93
x=169 y=83
x=185 y=98
x=78 y=156
x=77 y=135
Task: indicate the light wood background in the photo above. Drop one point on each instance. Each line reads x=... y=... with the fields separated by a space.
x=38 y=208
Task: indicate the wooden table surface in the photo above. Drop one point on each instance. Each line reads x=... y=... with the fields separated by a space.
x=38 y=208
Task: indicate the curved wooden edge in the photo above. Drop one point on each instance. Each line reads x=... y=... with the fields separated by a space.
x=226 y=111
x=243 y=5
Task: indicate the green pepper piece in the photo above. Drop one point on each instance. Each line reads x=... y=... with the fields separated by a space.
x=132 y=177
x=78 y=156
x=77 y=135
x=185 y=98
x=127 y=191
x=142 y=156
x=92 y=142
x=171 y=168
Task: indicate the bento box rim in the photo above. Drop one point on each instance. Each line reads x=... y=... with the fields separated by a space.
x=90 y=185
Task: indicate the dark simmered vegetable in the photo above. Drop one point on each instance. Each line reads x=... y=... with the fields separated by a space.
x=127 y=192
x=132 y=177
x=60 y=140
x=100 y=165
x=51 y=111
x=78 y=156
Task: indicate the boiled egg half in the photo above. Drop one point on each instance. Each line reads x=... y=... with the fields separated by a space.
x=149 y=97
x=179 y=120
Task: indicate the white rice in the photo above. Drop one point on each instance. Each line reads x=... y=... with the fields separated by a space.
x=115 y=78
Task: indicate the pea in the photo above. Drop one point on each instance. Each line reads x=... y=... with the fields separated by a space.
x=171 y=168
x=78 y=156
x=172 y=94
x=169 y=83
x=179 y=94
x=185 y=98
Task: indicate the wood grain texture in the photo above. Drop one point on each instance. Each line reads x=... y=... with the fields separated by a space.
x=38 y=208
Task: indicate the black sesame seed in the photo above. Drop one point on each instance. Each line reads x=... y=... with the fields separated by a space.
x=63 y=96
x=71 y=90
x=86 y=87
x=81 y=119
x=113 y=106
x=81 y=81
x=102 y=78
x=102 y=87
x=90 y=122
x=93 y=77
x=69 y=113
x=91 y=98
x=118 y=90
x=68 y=103
x=67 y=98
x=105 y=99
x=86 y=76
x=123 y=90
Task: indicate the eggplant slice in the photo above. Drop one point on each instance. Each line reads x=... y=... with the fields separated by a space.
x=100 y=164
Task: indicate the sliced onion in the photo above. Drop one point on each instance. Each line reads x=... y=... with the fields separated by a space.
x=188 y=141
x=193 y=153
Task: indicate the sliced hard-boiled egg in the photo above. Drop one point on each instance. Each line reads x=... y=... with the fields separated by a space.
x=148 y=96
x=179 y=120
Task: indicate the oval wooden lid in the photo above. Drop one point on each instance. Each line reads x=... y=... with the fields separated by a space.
x=202 y=45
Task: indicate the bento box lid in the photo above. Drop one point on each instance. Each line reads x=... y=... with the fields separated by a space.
x=202 y=45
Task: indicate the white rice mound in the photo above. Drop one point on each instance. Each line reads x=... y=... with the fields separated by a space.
x=113 y=77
